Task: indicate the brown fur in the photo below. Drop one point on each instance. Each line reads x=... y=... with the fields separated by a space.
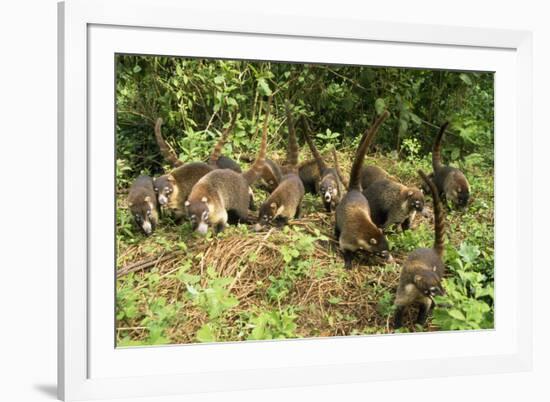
x=450 y=182
x=330 y=186
x=309 y=174
x=354 y=227
x=371 y=173
x=173 y=188
x=223 y=195
x=423 y=270
x=393 y=203
x=216 y=159
x=142 y=203
x=284 y=202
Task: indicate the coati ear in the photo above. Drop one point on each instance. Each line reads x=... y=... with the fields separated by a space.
x=459 y=189
x=409 y=193
x=434 y=268
x=273 y=206
x=417 y=279
x=187 y=203
x=204 y=199
x=373 y=241
x=130 y=204
x=147 y=199
x=171 y=178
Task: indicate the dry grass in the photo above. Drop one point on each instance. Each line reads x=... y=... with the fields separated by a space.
x=326 y=299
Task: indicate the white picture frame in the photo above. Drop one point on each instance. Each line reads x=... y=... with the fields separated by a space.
x=91 y=32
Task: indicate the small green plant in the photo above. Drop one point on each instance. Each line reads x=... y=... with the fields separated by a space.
x=273 y=325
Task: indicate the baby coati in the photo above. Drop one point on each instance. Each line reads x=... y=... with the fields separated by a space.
x=142 y=202
x=423 y=269
x=330 y=186
x=354 y=227
x=223 y=194
x=284 y=202
x=216 y=159
x=393 y=203
x=451 y=183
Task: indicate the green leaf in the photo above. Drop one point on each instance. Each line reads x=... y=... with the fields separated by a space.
x=379 y=105
x=464 y=77
x=457 y=314
x=263 y=86
x=334 y=300
x=205 y=334
x=137 y=68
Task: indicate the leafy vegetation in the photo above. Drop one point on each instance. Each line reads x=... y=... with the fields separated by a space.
x=177 y=287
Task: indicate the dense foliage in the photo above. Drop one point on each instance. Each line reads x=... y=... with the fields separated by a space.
x=294 y=284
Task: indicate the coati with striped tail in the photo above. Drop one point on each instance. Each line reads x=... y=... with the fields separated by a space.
x=142 y=202
x=423 y=269
x=337 y=167
x=284 y=202
x=223 y=194
x=354 y=227
x=393 y=203
x=451 y=183
x=216 y=159
x=330 y=186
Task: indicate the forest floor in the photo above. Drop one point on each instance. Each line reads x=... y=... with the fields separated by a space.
x=179 y=287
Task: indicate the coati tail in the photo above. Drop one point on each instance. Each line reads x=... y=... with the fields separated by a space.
x=436 y=152
x=167 y=152
x=439 y=221
x=216 y=153
x=337 y=167
x=366 y=139
x=318 y=158
x=255 y=171
x=292 y=152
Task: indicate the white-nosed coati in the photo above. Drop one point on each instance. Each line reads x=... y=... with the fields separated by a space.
x=223 y=194
x=309 y=174
x=284 y=202
x=219 y=161
x=393 y=203
x=330 y=185
x=354 y=227
x=451 y=183
x=371 y=173
x=142 y=203
x=423 y=269
x=173 y=188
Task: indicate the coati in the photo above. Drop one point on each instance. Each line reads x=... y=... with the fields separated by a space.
x=284 y=202
x=393 y=203
x=224 y=193
x=142 y=202
x=450 y=182
x=423 y=269
x=173 y=188
x=371 y=173
x=330 y=186
x=216 y=159
x=309 y=174
x=354 y=227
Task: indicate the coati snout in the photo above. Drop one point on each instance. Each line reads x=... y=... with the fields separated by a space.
x=415 y=199
x=199 y=215
x=145 y=215
x=143 y=205
x=459 y=196
x=164 y=187
x=428 y=283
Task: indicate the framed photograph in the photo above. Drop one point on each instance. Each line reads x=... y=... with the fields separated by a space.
x=254 y=201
